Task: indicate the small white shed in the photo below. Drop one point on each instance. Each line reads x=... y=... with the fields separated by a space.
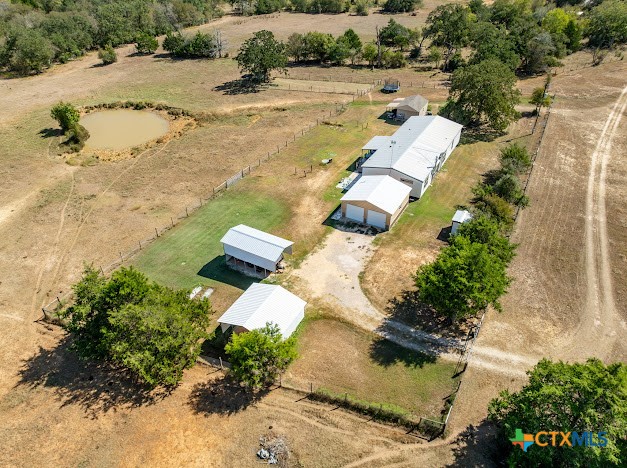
x=261 y=304
x=253 y=251
x=460 y=217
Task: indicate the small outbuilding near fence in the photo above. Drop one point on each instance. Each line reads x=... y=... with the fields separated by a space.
x=254 y=252
x=460 y=217
x=404 y=108
x=262 y=304
x=375 y=200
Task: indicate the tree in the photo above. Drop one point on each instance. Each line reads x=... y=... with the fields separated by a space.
x=146 y=44
x=66 y=114
x=492 y=42
x=448 y=26
x=540 y=53
x=573 y=33
x=607 y=24
x=401 y=6
x=567 y=397
x=484 y=230
x=108 y=55
x=508 y=188
x=295 y=47
x=260 y=55
x=31 y=52
x=464 y=279
x=515 y=159
x=160 y=337
x=370 y=53
x=173 y=42
x=435 y=55
x=362 y=7
x=353 y=42
x=319 y=45
x=484 y=93
x=494 y=207
x=258 y=357
x=540 y=99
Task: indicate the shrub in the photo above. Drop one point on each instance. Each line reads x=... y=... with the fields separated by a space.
x=515 y=159
x=362 y=7
x=401 y=6
x=66 y=114
x=173 y=42
x=108 y=55
x=146 y=44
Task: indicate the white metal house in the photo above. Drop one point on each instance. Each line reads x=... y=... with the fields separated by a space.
x=261 y=304
x=460 y=217
x=253 y=251
x=375 y=200
x=416 y=152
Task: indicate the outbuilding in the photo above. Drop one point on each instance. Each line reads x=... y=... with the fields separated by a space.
x=254 y=252
x=404 y=108
x=416 y=152
x=262 y=304
x=460 y=217
x=375 y=200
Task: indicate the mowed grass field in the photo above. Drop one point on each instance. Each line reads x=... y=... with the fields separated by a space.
x=340 y=358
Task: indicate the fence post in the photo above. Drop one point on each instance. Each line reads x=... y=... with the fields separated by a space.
x=310 y=387
x=121 y=260
x=156 y=232
x=221 y=366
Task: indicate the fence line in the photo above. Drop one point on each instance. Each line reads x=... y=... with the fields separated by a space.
x=427 y=84
x=52 y=307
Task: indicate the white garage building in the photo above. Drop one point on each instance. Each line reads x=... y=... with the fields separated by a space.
x=261 y=304
x=252 y=251
x=375 y=200
x=416 y=152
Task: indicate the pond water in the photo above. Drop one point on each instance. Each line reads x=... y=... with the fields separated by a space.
x=122 y=128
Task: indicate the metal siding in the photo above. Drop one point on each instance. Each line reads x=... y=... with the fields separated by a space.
x=356 y=213
x=249 y=257
x=375 y=218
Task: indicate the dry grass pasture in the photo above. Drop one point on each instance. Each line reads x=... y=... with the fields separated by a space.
x=57 y=411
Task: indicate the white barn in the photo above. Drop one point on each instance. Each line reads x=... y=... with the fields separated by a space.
x=375 y=200
x=253 y=251
x=261 y=304
x=416 y=152
x=460 y=217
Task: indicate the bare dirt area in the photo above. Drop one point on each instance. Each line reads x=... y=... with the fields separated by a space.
x=567 y=300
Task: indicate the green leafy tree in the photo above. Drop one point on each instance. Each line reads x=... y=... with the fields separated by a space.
x=607 y=24
x=353 y=43
x=464 y=279
x=362 y=7
x=319 y=45
x=262 y=54
x=515 y=158
x=540 y=54
x=435 y=55
x=296 y=48
x=487 y=231
x=494 y=207
x=173 y=42
x=573 y=33
x=508 y=188
x=401 y=6
x=567 y=397
x=258 y=357
x=449 y=26
x=370 y=53
x=539 y=98
x=556 y=20
x=108 y=55
x=66 y=114
x=484 y=93
x=492 y=42
x=146 y=44
x=160 y=337
x=31 y=52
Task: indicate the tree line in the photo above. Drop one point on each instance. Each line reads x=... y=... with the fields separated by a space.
x=359 y=7
x=36 y=33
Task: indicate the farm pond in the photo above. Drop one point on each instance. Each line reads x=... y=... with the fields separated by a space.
x=122 y=128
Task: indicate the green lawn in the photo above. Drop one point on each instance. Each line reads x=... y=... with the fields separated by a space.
x=191 y=254
x=369 y=368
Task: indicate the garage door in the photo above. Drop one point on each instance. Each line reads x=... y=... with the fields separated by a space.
x=376 y=219
x=356 y=213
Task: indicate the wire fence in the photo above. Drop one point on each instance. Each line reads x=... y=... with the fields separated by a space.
x=426 y=84
x=51 y=309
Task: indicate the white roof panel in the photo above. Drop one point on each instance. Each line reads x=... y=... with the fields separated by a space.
x=461 y=216
x=415 y=147
x=257 y=242
x=263 y=303
x=382 y=191
x=376 y=142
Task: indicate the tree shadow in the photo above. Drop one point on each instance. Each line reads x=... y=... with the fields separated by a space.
x=50 y=132
x=408 y=309
x=478 y=446
x=240 y=86
x=217 y=270
x=387 y=353
x=479 y=134
x=96 y=387
x=223 y=396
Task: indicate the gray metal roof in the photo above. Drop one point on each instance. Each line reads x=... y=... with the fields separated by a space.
x=461 y=216
x=416 y=102
x=256 y=242
x=264 y=303
x=415 y=147
x=376 y=142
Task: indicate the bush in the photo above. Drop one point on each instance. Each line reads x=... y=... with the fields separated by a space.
x=496 y=208
x=197 y=46
x=146 y=44
x=173 y=42
x=30 y=53
x=108 y=55
x=66 y=114
x=362 y=7
x=515 y=159
x=401 y=6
